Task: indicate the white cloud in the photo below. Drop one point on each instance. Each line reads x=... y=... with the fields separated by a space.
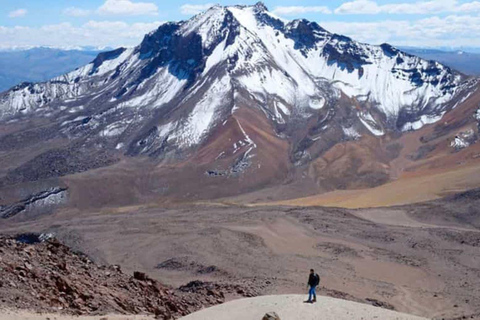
x=17 y=13
x=469 y=7
x=358 y=7
x=292 y=10
x=65 y=35
x=370 y=32
x=424 y=7
x=419 y=7
x=450 y=31
x=76 y=12
x=127 y=8
x=190 y=9
x=460 y=28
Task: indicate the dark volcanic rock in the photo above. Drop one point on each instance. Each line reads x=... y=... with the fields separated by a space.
x=306 y=34
x=104 y=56
x=218 y=290
x=184 y=264
x=59 y=162
x=381 y=304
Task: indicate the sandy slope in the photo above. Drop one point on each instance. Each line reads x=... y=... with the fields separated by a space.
x=291 y=307
x=407 y=190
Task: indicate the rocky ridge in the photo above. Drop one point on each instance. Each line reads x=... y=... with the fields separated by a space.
x=39 y=273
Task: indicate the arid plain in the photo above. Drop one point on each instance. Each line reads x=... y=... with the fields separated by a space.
x=422 y=259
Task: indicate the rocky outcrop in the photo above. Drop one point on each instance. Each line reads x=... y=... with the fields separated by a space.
x=38 y=272
x=216 y=290
x=464 y=139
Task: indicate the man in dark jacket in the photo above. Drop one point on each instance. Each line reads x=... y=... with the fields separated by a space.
x=313 y=282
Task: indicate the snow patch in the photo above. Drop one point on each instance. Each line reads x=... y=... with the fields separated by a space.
x=424 y=120
x=317 y=103
x=215 y=57
x=75 y=109
x=167 y=86
x=351 y=133
x=115 y=129
x=477 y=114
x=249 y=141
x=110 y=65
x=464 y=139
x=283 y=107
x=203 y=114
x=369 y=122
x=458 y=143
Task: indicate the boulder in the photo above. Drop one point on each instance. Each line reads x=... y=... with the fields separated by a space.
x=140 y=276
x=271 y=316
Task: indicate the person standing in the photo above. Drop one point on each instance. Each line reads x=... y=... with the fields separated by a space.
x=313 y=282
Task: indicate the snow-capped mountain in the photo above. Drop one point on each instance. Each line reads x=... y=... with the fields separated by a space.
x=231 y=85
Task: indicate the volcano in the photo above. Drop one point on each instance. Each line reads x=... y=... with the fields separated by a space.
x=235 y=101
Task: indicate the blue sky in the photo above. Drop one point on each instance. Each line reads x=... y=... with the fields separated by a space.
x=74 y=23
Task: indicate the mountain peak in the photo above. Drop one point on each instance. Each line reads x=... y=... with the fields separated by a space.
x=234 y=91
x=257 y=7
x=200 y=71
x=260 y=6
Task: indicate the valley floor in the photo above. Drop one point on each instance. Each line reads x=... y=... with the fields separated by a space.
x=409 y=189
x=420 y=259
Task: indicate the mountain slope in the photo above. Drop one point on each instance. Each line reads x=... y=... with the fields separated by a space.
x=234 y=97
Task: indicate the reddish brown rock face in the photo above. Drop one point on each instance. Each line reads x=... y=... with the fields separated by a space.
x=48 y=276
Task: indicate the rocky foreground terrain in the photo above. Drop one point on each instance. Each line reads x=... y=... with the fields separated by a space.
x=421 y=259
x=41 y=274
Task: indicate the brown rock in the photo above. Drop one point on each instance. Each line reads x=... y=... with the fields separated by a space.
x=54 y=277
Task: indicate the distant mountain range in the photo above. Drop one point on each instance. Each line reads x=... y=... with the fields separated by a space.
x=39 y=64
x=467 y=62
